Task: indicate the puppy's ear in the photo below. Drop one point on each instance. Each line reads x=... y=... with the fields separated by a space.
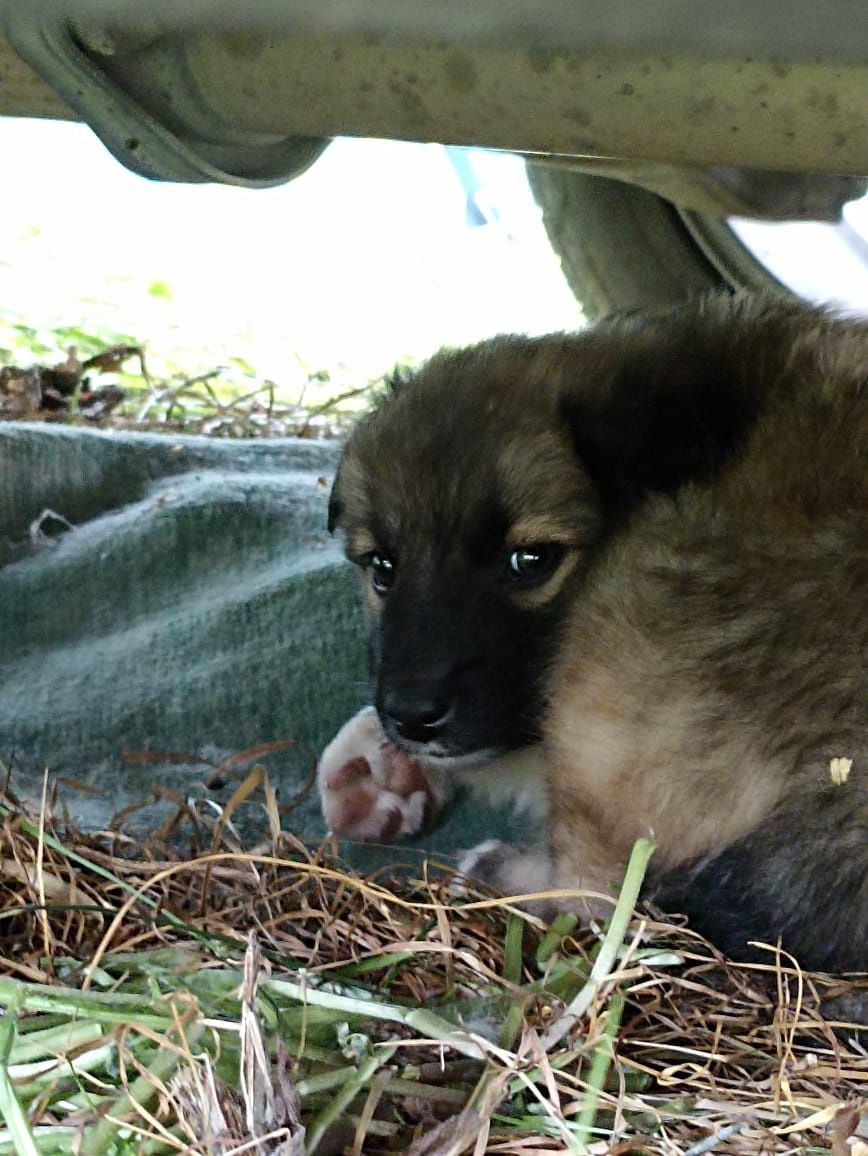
x=662 y=412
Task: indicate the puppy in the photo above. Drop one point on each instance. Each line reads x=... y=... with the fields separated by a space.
x=627 y=572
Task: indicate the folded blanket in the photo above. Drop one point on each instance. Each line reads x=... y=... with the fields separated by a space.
x=181 y=602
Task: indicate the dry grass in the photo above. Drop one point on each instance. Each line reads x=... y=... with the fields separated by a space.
x=113 y=389
x=269 y=1000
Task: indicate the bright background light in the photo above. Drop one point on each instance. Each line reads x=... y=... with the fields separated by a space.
x=364 y=260
x=824 y=263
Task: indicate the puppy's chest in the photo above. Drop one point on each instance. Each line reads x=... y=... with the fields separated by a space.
x=634 y=754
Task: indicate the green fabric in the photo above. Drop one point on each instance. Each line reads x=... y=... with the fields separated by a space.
x=198 y=606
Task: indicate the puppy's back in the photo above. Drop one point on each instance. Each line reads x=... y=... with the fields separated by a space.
x=716 y=663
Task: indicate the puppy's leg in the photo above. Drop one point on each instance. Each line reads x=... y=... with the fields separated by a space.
x=511 y=870
x=576 y=860
x=372 y=791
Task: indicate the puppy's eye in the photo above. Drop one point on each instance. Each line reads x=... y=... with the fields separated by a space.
x=382 y=573
x=533 y=564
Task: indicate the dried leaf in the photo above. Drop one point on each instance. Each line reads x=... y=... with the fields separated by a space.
x=839 y=770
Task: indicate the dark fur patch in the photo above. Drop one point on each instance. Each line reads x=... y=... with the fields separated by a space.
x=674 y=398
x=800 y=877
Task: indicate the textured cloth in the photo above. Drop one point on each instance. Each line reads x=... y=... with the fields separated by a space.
x=196 y=607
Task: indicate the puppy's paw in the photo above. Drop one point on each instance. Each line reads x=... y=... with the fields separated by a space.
x=369 y=790
x=512 y=871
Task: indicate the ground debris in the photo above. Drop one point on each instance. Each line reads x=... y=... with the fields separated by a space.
x=271 y=1000
x=46 y=392
x=208 y=403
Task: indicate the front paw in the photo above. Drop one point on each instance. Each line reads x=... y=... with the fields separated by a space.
x=516 y=871
x=370 y=790
x=511 y=870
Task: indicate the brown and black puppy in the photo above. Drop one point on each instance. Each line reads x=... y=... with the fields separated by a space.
x=630 y=565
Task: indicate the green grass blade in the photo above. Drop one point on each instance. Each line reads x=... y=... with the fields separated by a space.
x=10 y=1108
x=635 y=874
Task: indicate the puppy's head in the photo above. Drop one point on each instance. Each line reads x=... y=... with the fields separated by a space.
x=476 y=499
x=463 y=502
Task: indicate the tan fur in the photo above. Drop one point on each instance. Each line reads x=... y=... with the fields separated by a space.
x=708 y=616
x=744 y=718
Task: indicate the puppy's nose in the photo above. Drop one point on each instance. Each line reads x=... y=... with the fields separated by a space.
x=418 y=714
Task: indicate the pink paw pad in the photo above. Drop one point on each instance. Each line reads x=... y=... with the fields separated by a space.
x=369 y=790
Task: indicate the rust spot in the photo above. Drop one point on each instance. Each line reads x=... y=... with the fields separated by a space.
x=410 y=100
x=701 y=108
x=460 y=72
x=577 y=116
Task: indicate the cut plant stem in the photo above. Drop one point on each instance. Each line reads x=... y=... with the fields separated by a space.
x=343 y=1098
x=633 y=878
x=10 y=1107
x=603 y=1054
x=419 y=1019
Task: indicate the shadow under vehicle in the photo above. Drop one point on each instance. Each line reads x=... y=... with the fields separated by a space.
x=648 y=128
